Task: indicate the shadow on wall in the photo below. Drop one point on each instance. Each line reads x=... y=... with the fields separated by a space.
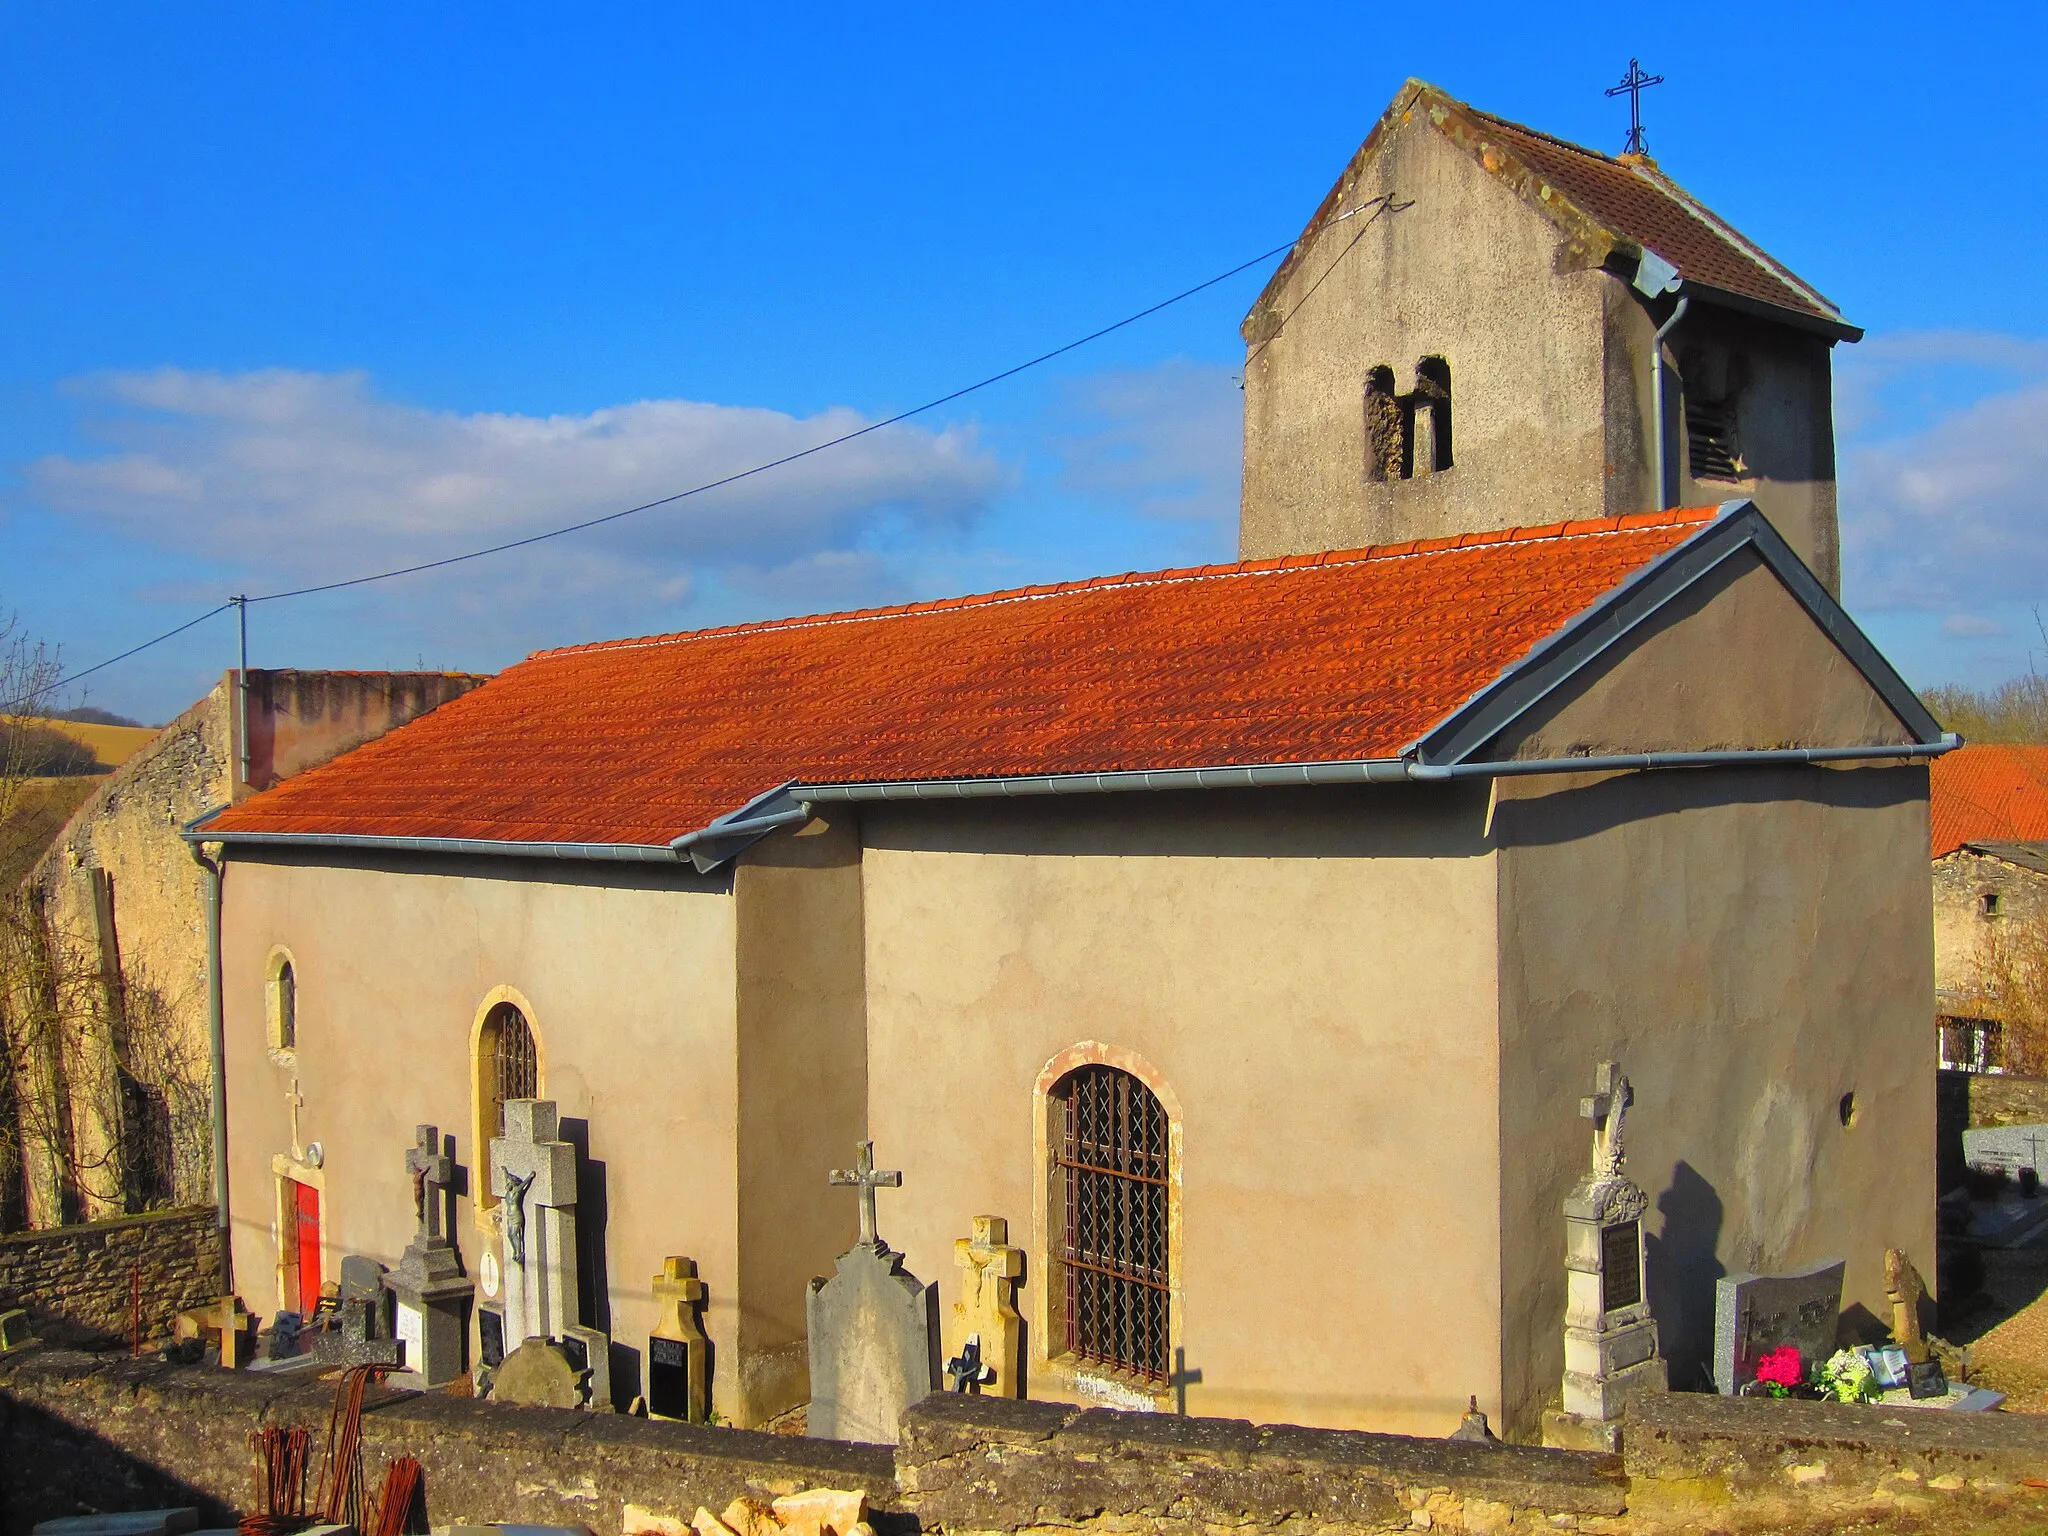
x=1682 y=1270
x=56 y=1470
x=593 y=1274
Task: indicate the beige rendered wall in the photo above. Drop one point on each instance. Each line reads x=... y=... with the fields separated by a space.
x=1469 y=273
x=802 y=1091
x=1752 y=946
x=626 y=975
x=1310 y=974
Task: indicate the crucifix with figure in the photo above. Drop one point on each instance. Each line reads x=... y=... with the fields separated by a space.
x=1633 y=84
x=868 y=1179
x=432 y=1172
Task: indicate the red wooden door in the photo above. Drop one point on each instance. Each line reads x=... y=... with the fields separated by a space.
x=306 y=1203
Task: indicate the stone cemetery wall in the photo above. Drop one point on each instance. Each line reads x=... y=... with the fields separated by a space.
x=1994 y=1098
x=78 y=1283
x=1703 y=1463
x=109 y=1433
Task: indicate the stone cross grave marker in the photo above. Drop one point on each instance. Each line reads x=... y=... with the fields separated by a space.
x=873 y=1328
x=1904 y=1287
x=863 y=1175
x=533 y=1173
x=987 y=1308
x=433 y=1294
x=678 y=1383
x=1610 y=1338
x=1755 y=1314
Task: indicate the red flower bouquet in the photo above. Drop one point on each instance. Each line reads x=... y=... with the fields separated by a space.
x=1781 y=1371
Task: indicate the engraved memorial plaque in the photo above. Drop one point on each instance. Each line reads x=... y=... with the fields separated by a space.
x=668 y=1378
x=1621 y=1266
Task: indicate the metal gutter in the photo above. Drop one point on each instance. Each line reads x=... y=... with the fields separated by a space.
x=217 y=1045
x=1372 y=771
x=196 y=832
x=1662 y=439
x=1737 y=757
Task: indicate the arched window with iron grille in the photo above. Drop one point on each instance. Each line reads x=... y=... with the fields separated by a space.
x=508 y=1067
x=1111 y=1171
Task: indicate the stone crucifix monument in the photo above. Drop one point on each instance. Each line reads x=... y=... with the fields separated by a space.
x=432 y=1292
x=1610 y=1339
x=986 y=1313
x=533 y=1174
x=873 y=1328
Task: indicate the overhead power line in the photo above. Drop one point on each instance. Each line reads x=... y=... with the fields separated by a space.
x=101 y=666
x=695 y=490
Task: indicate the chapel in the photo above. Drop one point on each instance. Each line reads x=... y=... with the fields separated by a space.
x=1245 y=937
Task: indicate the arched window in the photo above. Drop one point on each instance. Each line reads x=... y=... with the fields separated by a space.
x=1430 y=440
x=1385 y=440
x=281 y=1004
x=1110 y=1169
x=507 y=1067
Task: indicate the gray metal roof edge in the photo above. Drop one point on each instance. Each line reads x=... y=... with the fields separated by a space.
x=1580 y=642
x=1221 y=776
x=594 y=852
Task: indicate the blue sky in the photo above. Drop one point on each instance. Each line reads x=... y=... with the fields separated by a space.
x=290 y=293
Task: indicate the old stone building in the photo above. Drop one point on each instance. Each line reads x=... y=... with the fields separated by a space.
x=1482 y=320
x=1280 y=909
x=113 y=1112
x=1989 y=820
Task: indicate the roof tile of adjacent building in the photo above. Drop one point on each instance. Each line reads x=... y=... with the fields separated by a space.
x=1989 y=793
x=1342 y=656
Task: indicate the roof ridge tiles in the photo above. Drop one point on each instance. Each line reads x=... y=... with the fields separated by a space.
x=1483 y=538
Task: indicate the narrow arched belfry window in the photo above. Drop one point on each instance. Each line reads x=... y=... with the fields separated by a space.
x=1385 y=440
x=1430 y=443
x=508 y=1067
x=1112 y=1178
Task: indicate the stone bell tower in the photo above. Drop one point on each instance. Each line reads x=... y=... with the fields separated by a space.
x=1485 y=327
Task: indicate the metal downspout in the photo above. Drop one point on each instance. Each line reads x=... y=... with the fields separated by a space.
x=1661 y=434
x=217 y=1041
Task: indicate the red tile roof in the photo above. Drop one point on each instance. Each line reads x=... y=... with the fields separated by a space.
x=1341 y=656
x=1988 y=794
x=1637 y=201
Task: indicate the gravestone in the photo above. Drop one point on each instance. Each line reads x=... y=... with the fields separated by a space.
x=987 y=1309
x=432 y=1294
x=14 y=1330
x=533 y=1173
x=365 y=1335
x=1610 y=1338
x=2007 y=1147
x=539 y=1374
x=1755 y=1314
x=873 y=1328
x=678 y=1376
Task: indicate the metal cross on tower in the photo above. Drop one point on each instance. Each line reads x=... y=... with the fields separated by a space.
x=1633 y=84
x=863 y=1174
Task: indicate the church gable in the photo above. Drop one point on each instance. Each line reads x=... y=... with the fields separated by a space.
x=1730 y=645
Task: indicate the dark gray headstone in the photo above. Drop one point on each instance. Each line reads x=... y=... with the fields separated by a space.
x=874 y=1330
x=14 y=1329
x=1755 y=1314
x=490 y=1327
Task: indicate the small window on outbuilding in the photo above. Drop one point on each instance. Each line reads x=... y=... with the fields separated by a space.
x=1430 y=443
x=1408 y=436
x=1990 y=903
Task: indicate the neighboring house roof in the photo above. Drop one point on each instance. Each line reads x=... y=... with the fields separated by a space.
x=2032 y=857
x=1991 y=793
x=1613 y=208
x=1343 y=657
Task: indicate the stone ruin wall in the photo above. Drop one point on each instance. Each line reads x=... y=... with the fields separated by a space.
x=79 y=1432
x=78 y=1283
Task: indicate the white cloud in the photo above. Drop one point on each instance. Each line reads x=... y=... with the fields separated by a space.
x=293 y=478
x=1167 y=442
x=1944 y=479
